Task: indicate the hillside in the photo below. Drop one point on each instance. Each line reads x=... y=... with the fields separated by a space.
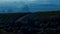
x=30 y=23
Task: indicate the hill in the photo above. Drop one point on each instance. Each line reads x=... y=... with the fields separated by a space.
x=30 y=23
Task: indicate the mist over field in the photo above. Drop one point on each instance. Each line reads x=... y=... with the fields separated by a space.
x=28 y=5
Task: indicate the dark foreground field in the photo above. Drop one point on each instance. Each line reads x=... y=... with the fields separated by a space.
x=30 y=23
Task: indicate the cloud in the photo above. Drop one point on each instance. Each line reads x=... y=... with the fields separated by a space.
x=33 y=1
x=35 y=5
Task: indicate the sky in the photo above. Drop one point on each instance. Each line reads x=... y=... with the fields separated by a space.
x=34 y=5
x=32 y=1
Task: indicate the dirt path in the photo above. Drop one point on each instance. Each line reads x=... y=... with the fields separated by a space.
x=21 y=18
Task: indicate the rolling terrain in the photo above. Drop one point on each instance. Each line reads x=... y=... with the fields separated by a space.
x=30 y=23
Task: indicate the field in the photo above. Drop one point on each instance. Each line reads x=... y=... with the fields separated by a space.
x=30 y=23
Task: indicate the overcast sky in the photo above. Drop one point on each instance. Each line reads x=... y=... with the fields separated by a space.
x=32 y=4
x=29 y=1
